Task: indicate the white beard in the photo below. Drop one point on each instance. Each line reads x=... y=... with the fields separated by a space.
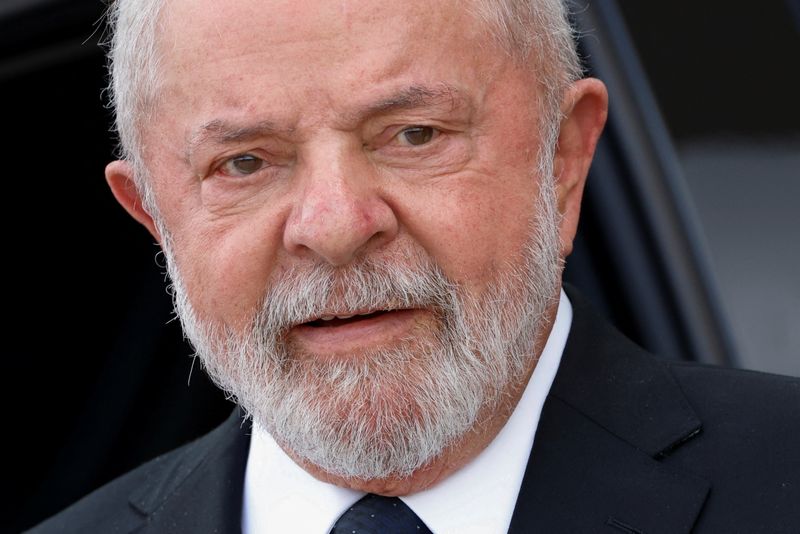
x=384 y=412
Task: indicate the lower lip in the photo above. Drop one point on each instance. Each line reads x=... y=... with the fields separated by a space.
x=372 y=331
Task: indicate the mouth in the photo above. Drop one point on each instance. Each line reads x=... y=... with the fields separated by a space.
x=351 y=332
x=330 y=321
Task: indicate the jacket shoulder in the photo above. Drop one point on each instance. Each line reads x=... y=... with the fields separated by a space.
x=750 y=401
x=748 y=447
x=107 y=509
x=123 y=504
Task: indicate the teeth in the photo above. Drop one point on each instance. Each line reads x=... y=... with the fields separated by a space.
x=332 y=317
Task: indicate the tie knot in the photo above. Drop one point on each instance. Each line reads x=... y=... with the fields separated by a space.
x=375 y=514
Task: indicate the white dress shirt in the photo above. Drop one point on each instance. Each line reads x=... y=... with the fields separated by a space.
x=281 y=497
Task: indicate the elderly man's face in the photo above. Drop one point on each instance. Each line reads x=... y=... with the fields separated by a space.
x=324 y=131
x=292 y=136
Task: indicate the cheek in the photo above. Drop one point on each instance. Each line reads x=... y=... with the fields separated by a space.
x=225 y=260
x=227 y=270
x=477 y=221
x=473 y=227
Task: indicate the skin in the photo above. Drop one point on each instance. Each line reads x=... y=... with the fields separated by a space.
x=325 y=91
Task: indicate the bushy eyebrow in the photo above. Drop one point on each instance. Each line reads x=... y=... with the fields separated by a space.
x=222 y=132
x=415 y=96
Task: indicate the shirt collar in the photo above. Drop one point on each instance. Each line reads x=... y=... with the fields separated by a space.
x=280 y=496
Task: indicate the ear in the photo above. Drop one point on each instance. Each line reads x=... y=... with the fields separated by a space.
x=584 y=111
x=119 y=175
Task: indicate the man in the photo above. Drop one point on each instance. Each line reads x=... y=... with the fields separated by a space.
x=365 y=209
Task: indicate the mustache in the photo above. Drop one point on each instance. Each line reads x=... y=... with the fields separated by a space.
x=305 y=293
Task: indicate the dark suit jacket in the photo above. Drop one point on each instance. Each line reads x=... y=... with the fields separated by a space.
x=626 y=443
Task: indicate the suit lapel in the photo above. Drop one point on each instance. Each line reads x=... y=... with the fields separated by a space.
x=582 y=478
x=612 y=413
x=199 y=491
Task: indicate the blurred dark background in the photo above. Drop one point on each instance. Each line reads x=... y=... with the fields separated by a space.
x=688 y=242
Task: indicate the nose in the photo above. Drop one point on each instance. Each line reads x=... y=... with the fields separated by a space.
x=340 y=213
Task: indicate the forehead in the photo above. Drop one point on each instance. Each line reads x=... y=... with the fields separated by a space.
x=227 y=24
x=314 y=49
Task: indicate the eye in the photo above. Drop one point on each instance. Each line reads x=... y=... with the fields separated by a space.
x=418 y=135
x=243 y=165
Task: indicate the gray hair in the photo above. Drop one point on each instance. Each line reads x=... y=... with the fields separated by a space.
x=133 y=66
x=535 y=32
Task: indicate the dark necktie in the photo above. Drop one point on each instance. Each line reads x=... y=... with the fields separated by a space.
x=380 y=515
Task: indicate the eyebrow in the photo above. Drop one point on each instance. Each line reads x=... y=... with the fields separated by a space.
x=416 y=96
x=222 y=132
